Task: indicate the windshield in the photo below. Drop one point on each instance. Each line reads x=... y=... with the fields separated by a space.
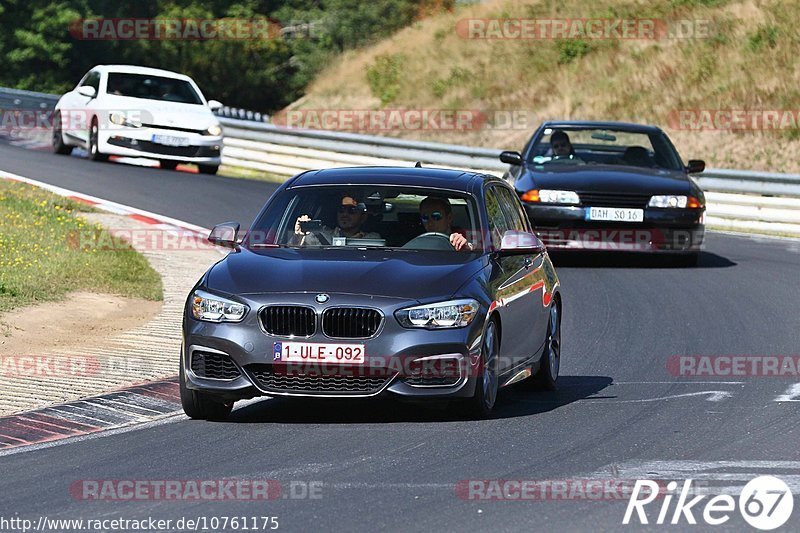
x=152 y=88
x=329 y=217
x=585 y=146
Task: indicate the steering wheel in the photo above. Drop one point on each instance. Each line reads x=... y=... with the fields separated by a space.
x=432 y=240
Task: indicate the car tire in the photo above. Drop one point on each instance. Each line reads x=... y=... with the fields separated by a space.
x=208 y=169
x=166 y=164
x=202 y=406
x=546 y=378
x=59 y=146
x=482 y=402
x=93 y=148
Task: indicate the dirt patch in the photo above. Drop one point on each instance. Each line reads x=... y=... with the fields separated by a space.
x=81 y=320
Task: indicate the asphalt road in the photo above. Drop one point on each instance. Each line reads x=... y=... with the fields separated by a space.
x=620 y=414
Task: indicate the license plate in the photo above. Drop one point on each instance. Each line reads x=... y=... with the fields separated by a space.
x=312 y=352
x=615 y=214
x=169 y=140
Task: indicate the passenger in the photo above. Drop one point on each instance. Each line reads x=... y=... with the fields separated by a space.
x=561 y=145
x=436 y=214
x=350 y=216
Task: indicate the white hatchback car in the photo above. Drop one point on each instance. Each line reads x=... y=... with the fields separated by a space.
x=134 y=111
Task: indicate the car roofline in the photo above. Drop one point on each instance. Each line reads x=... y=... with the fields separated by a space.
x=622 y=126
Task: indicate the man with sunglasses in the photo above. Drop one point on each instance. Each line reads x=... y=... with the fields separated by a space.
x=350 y=216
x=561 y=145
x=436 y=215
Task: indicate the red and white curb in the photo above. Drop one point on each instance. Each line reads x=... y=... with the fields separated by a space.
x=114 y=410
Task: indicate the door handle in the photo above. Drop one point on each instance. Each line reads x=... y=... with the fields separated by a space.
x=528 y=262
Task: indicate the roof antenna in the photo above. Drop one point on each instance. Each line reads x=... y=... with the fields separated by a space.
x=418 y=164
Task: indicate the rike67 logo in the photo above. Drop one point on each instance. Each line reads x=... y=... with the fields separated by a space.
x=765 y=503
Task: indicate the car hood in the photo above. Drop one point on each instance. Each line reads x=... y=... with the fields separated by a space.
x=611 y=178
x=396 y=274
x=169 y=114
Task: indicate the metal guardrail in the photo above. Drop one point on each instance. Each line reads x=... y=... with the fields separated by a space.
x=18 y=99
x=737 y=199
x=452 y=155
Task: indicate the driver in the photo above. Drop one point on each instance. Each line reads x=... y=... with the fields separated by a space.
x=350 y=216
x=561 y=145
x=436 y=214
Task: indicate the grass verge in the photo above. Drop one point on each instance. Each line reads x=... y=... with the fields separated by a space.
x=247 y=173
x=39 y=263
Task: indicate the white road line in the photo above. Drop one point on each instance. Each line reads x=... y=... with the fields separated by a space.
x=710 y=475
x=792 y=394
x=713 y=396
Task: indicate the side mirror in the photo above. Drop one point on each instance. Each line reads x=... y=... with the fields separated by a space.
x=512 y=158
x=214 y=105
x=87 y=91
x=520 y=242
x=695 y=166
x=224 y=234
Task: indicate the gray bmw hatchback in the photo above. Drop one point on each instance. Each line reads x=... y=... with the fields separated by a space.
x=420 y=283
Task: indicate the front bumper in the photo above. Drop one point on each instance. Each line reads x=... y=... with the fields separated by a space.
x=677 y=231
x=139 y=142
x=242 y=354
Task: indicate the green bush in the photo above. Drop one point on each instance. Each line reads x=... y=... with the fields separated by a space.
x=765 y=36
x=383 y=77
x=571 y=49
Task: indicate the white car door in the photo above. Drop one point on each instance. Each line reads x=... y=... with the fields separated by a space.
x=76 y=108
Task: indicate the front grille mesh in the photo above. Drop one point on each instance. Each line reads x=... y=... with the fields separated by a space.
x=287 y=320
x=614 y=199
x=350 y=322
x=320 y=383
x=213 y=365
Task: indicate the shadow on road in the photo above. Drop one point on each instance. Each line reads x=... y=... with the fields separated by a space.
x=633 y=260
x=512 y=402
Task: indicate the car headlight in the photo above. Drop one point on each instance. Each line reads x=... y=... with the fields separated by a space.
x=668 y=200
x=122 y=120
x=215 y=130
x=452 y=314
x=551 y=196
x=213 y=308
